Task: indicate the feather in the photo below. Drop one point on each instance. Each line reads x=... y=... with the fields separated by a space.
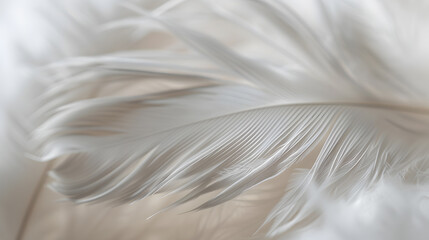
x=219 y=109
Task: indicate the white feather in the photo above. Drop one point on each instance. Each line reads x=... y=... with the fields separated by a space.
x=249 y=93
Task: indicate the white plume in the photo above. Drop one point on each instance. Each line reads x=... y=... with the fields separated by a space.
x=246 y=119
